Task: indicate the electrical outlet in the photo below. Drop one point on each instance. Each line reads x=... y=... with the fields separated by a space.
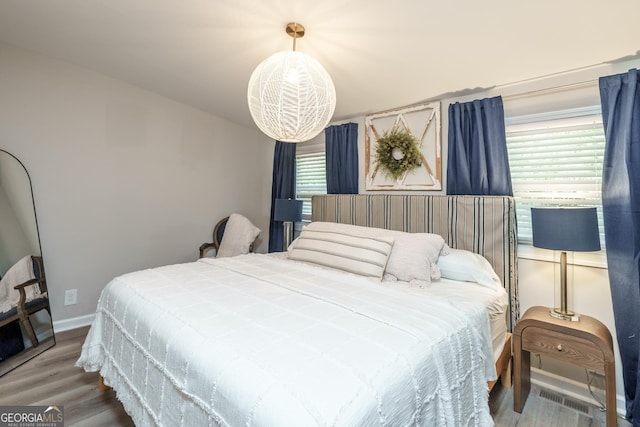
x=70 y=297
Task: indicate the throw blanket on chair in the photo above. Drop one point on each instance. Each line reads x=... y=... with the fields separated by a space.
x=19 y=273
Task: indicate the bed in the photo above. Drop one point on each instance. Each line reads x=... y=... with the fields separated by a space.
x=266 y=340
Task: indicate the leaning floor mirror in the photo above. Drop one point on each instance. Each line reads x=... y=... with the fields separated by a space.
x=26 y=328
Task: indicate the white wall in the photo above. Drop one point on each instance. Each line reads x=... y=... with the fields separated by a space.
x=17 y=186
x=538 y=276
x=13 y=242
x=123 y=178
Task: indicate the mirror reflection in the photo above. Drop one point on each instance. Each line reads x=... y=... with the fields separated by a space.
x=26 y=328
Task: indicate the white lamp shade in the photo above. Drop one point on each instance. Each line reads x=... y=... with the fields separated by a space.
x=291 y=97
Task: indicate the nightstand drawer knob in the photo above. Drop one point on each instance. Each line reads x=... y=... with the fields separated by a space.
x=559 y=347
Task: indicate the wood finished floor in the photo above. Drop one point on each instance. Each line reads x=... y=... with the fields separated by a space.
x=52 y=379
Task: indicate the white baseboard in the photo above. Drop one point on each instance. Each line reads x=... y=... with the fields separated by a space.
x=572 y=388
x=73 y=323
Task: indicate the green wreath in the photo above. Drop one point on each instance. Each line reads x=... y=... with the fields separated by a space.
x=404 y=146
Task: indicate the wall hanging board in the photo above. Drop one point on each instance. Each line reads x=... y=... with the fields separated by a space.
x=423 y=123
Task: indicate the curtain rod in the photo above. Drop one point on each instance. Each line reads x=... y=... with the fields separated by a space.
x=551 y=90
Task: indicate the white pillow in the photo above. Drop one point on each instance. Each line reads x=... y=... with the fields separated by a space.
x=413 y=256
x=468 y=266
x=366 y=256
x=239 y=234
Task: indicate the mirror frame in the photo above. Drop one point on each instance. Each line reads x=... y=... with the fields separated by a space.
x=29 y=353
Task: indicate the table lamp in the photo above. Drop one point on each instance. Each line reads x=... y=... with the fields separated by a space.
x=565 y=229
x=288 y=211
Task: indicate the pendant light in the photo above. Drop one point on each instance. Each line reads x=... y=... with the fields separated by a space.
x=291 y=96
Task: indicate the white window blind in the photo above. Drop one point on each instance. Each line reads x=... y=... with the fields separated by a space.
x=556 y=160
x=310 y=174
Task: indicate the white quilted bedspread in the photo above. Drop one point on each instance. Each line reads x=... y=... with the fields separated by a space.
x=260 y=341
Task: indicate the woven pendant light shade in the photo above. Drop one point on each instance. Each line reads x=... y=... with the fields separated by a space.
x=291 y=97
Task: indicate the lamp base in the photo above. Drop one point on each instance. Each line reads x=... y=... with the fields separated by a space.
x=287 y=229
x=558 y=313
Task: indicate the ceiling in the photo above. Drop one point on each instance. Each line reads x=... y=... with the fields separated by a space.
x=381 y=54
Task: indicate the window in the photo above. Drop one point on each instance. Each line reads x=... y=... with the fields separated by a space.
x=310 y=174
x=556 y=160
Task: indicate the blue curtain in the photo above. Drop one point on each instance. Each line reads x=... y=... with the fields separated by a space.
x=620 y=98
x=477 y=161
x=283 y=186
x=341 y=142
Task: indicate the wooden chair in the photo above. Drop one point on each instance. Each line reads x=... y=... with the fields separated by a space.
x=24 y=309
x=218 y=232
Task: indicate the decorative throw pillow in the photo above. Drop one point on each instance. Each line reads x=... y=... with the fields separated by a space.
x=365 y=256
x=415 y=256
x=239 y=234
x=468 y=266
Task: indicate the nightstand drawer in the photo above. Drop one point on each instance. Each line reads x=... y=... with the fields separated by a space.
x=572 y=349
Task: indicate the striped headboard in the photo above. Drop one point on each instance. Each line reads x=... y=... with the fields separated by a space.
x=481 y=224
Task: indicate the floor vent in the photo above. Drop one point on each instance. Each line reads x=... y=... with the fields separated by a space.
x=576 y=405
x=549 y=395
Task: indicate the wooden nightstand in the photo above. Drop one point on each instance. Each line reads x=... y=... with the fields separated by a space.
x=586 y=342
